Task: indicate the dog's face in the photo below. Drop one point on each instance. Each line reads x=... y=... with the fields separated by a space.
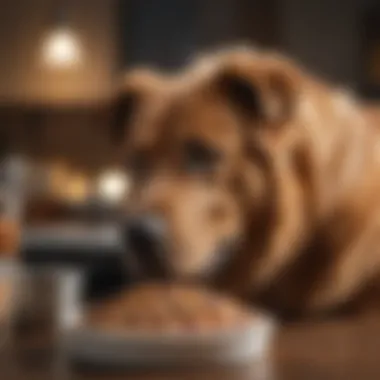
x=199 y=148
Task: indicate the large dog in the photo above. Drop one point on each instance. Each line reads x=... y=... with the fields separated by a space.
x=253 y=175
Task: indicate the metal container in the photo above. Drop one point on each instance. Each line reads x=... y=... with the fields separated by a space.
x=48 y=298
x=243 y=345
x=9 y=285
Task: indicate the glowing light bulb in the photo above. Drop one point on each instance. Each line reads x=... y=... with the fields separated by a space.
x=61 y=48
x=113 y=185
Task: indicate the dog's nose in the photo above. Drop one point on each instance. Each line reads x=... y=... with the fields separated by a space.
x=145 y=232
x=145 y=237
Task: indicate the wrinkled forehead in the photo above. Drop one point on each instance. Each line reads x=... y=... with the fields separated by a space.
x=176 y=114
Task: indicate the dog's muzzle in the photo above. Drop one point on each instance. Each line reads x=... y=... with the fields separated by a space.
x=145 y=237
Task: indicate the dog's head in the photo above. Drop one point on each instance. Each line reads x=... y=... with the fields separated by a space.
x=202 y=148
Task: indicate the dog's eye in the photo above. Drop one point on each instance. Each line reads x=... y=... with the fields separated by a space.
x=198 y=157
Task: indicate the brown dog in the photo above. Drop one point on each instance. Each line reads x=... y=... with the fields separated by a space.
x=250 y=173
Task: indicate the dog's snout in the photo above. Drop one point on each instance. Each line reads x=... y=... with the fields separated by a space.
x=144 y=230
x=145 y=237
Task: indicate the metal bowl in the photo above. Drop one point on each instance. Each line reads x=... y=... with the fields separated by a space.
x=135 y=349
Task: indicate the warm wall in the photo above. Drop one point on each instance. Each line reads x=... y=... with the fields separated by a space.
x=23 y=24
x=57 y=113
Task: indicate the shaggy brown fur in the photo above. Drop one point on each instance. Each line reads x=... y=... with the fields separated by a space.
x=245 y=149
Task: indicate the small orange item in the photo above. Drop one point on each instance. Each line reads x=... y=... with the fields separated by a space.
x=9 y=238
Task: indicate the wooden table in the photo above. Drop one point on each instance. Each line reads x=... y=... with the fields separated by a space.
x=339 y=349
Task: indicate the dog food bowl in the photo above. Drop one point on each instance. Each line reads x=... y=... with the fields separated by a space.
x=122 y=348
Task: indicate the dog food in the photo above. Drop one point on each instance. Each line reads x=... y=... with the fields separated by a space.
x=165 y=308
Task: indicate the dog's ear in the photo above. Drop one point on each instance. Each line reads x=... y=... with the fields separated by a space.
x=267 y=95
x=130 y=96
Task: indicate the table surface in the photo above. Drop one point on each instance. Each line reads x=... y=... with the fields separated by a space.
x=335 y=349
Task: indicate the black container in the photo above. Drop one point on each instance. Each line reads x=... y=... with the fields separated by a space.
x=97 y=251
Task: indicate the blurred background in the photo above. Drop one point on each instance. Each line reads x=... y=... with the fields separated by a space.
x=60 y=60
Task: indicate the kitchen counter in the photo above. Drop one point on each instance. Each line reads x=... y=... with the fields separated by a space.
x=339 y=349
